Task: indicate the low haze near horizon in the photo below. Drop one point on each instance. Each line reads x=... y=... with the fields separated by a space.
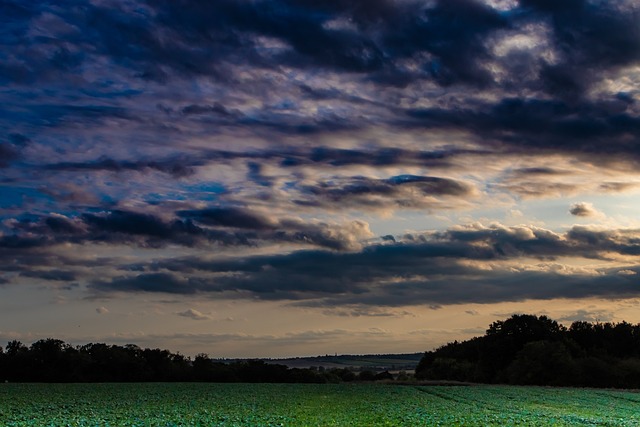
x=273 y=178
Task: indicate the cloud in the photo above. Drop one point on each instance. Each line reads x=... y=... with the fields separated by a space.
x=216 y=108
x=7 y=154
x=10 y=150
x=145 y=229
x=407 y=191
x=362 y=311
x=608 y=31
x=153 y=282
x=177 y=167
x=247 y=149
x=587 y=316
x=64 y=225
x=627 y=272
x=230 y=217
x=460 y=265
x=544 y=126
x=142 y=89
x=55 y=275
x=193 y=314
x=583 y=209
x=282 y=229
x=617 y=186
x=225 y=226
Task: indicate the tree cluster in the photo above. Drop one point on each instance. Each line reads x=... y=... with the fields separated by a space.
x=52 y=360
x=531 y=350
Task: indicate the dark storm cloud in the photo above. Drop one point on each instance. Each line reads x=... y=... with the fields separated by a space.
x=150 y=230
x=178 y=167
x=11 y=147
x=112 y=227
x=300 y=26
x=402 y=190
x=282 y=119
x=133 y=223
x=72 y=116
x=339 y=157
x=227 y=226
x=22 y=242
x=159 y=38
x=255 y=175
x=374 y=43
x=591 y=36
x=425 y=269
x=354 y=36
x=590 y=130
x=201 y=90
x=7 y=154
x=63 y=225
x=230 y=217
x=389 y=156
x=155 y=282
x=53 y=275
x=185 y=165
x=580 y=241
x=215 y=108
x=535 y=172
x=334 y=236
x=486 y=288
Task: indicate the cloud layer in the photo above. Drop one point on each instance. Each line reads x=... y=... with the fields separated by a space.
x=460 y=265
x=333 y=154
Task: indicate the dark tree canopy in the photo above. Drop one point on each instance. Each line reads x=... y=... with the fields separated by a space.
x=52 y=360
x=528 y=349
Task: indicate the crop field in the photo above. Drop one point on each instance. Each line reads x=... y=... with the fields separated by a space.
x=198 y=404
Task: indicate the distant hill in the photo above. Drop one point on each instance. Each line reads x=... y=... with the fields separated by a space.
x=374 y=362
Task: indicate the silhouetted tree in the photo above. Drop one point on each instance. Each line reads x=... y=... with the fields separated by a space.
x=384 y=375
x=366 y=375
x=51 y=360
x=527 y=349
x=543 y=363
x=16 y=361
x=343 y=374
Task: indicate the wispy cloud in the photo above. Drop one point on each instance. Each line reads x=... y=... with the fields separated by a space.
x=193 y=314
x=102 y=310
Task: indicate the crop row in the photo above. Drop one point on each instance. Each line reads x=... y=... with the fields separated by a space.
x=198 y=404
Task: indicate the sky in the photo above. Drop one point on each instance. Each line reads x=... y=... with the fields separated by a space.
x=272 y=178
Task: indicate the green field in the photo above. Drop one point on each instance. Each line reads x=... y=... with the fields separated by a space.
x=197 y=404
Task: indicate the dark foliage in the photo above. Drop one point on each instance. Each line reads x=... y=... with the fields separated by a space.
x=527 y=349
x=52 y=360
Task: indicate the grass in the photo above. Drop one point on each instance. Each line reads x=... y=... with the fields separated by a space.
x=197 y=404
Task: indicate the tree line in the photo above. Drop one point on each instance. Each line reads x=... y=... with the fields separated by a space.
x=531 y=350
x=524 y=349
x=52 y=360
